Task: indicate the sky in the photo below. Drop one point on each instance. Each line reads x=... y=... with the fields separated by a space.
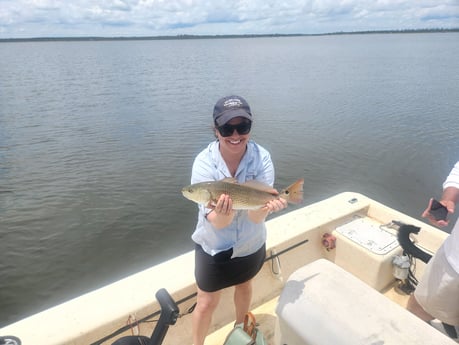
x=126 y=18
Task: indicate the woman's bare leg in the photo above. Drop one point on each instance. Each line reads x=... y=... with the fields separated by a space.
x=242 y=299
x=202 y=315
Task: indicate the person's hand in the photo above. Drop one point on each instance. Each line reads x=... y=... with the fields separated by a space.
x=441 y=223
x=276 y=205
x=222 y=213
x=224 y=205
x=259 y=215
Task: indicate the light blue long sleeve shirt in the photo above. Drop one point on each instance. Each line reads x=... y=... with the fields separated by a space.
x=244 y=236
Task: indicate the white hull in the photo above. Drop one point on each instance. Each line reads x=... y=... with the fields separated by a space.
x=298 y=237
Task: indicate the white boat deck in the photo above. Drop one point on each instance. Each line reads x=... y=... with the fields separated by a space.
x=297 y=235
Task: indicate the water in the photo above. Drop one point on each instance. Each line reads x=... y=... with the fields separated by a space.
x=97 y=139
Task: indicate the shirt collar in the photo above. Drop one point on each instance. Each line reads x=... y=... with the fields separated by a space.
x=220 y=164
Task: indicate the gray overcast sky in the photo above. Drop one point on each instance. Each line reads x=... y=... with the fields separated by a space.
x=58 y=18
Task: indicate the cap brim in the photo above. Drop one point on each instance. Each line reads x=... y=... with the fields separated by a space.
x=231 y=114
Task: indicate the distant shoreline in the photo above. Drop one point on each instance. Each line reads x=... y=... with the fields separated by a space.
x=181 y=37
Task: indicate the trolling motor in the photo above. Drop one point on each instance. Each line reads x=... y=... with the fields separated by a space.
x=411 y=250
x=168 y=317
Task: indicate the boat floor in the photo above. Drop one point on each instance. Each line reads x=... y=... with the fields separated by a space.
x=266 y=318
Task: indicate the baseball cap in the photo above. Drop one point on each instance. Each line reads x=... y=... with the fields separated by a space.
x=229 y=107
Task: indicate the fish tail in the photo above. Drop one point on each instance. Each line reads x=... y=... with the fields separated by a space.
x=293 y=193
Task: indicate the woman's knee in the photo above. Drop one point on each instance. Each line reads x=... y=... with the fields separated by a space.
x=207 y=301
x=246 y=286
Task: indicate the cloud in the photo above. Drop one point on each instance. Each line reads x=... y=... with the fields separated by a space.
x=28 y=18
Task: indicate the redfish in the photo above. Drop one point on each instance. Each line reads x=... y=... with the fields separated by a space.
x=250 y=195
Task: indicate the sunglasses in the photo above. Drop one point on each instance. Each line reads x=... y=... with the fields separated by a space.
x=242 y=128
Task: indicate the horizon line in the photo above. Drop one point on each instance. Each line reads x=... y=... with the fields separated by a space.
x=207 y=36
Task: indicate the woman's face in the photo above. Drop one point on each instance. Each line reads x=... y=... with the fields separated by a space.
x=234 y=134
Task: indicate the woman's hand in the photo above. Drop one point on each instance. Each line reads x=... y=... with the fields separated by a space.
x=222 y=213
x=276 y=205
x=257 y=216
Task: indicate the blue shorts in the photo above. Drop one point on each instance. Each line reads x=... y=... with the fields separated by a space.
x=220 y=271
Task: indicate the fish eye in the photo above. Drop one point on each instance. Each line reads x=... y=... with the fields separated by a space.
x=190 y=190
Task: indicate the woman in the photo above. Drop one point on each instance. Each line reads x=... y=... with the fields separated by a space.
x=230 y=245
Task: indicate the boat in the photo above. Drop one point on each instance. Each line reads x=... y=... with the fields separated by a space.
x=330 y=277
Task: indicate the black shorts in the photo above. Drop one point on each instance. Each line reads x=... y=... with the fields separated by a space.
x=217 y=272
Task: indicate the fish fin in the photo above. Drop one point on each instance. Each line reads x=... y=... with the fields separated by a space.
x=211 y=204
x=258 y=185
x=294 y=193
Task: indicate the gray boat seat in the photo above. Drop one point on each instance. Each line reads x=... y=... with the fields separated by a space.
x=322 y=303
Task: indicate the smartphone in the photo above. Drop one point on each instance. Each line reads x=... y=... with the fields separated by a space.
x=438 y=211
